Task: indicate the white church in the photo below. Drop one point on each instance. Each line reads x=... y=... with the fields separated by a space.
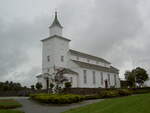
x=88 y=71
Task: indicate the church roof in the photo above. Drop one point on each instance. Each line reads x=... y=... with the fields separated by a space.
x=97 y=67
x=56 y=22
x=77 y=53
x=56 y=36
x=68 y=71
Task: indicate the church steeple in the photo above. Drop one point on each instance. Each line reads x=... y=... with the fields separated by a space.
x=56 y=22
x=55 y=28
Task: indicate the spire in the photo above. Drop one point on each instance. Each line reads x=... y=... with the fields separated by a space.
x=56 y=22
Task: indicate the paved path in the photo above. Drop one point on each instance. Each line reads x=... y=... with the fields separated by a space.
x=30 y=106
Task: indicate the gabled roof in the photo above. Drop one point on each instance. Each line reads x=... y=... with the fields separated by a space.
x=77 y=53
x=56 y=36
x=67 y=71
x=56 y=22
x=96 y=67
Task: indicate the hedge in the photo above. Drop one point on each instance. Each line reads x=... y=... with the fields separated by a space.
x=57 y=98
x=110 y=94
x=73 y=98
x=140 y=90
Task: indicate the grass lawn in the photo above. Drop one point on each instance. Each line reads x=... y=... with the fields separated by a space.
x=9 y=103
x=130 y=104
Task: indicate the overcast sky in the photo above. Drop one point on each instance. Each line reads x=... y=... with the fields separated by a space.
x=117 y=30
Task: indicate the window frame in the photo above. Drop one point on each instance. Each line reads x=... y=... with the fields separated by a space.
x=77 y=57
x=62 y=58
x=48 y=58
x=115 y=79
x=85 y=76
x=102 y=78
x=109 y=79
x=94 y=77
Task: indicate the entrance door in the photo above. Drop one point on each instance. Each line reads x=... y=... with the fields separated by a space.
x=47 y=83
x=106 y=84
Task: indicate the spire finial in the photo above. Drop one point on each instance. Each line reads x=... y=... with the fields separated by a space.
x=55 y=12
x=56 y=22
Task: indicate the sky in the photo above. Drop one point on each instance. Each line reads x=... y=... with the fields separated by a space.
x=116 y=30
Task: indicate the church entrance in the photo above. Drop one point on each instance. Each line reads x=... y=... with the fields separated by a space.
x=47 y=83
x=106 y=84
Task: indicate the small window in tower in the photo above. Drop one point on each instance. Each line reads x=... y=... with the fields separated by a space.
x=48 y=58
x=62 y=58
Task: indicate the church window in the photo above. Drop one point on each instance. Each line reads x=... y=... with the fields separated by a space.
x=94 y=80
x=115 y=80
x=48 y=58
x=85 y=76
x=71 y=80
x=109 y=78
x=101 y=78
x=97 y=62
x=62 y=58
x=88 y=60
x=77 y=58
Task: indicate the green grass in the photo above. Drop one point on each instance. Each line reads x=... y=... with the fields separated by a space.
x=10 y=111
x=9 y=103
x=130 y=104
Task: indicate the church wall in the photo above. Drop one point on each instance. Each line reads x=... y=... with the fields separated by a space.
x=61 y=49
x=48 y=50
x=97 y=83
x=54 y=48
x=75 y=68
x=55 y=31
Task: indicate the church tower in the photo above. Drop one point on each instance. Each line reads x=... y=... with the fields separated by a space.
x=55 y=48
x=56 y=27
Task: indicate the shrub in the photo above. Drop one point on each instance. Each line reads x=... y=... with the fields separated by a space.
x=124 y=92
x=51 y=85
x=89 y=97
x=140 y=90
x=57 y=98
x=68 y=85
x=109 y=94
x=38 y=86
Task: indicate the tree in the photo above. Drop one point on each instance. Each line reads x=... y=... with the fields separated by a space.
x=38 y=86
x=51 y=85
x=32 y=87
x=140 y=75
x=59 y=79
x=129 y=76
